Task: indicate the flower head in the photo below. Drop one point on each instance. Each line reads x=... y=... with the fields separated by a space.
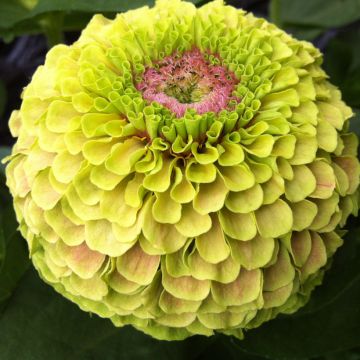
x=183 y=170
x=187 y=81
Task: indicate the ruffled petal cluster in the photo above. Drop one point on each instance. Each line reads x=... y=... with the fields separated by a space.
x=186 y=171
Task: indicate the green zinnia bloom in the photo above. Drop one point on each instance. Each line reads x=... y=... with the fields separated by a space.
x=186 y=171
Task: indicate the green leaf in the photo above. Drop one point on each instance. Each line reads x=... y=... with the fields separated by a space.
x=14 y=258
x=342 y=63
x=39 y=324
x=32 y=16
x=320 y=13
x=329 y=323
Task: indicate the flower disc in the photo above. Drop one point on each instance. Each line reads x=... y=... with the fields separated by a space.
x=186 y=171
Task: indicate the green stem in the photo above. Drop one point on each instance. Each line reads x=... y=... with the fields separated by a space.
x=52 y=26
x=275 y=12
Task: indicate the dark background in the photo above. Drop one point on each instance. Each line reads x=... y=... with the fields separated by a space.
x=38 y=324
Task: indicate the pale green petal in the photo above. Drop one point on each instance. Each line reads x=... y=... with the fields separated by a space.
x=80 y=259
x=279 y=274
x=238 y=226
x=253 y=254
x=210 y=197
x=302 y=185
x=43 y=193
x=212 y=246
x=237 y=178
x=245 y=289
x=185 y=287
x=100 y=237
x=223 y=272
x=165 y=210
x=245 y=201
x=325 y=179
x=274 y=220
x=137 y=266
x=192 y=223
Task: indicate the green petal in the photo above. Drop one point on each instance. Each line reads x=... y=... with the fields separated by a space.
x=93 y=289
x=128 y=234
x=238 y=226
x=332 y=242
x=305 y=150
x=223 y=272
x=43 y=193
x=327 y=136
x=237 y=178
x=69 y=232
x=278 y=297
x=114 y=208
x=135 y=192
x=253 y=254
x=331 y=114
x=120 y=284
x=325 y=179
x=352 y=168
x=159 y=180
x=210 y=197
x=59 y=116
x=301 y=244
x=208 y=155
x=225 y=320
x=165 y=210
x=192 y=223
x=274 y=220
x=80 y=209
x=182 y=190
x=80 y=259
x=137 y=266
x=212 y=245
x=172 y=305
x=304 y=213
x=262 y=172
x=100 y=237
x=87 y=191
x=164 y=237
x=317 y=257
x=92 y=124
x=284 y=146
x=245 y=289
x=261 y=146
x=233 y=154
x=326 y=208
x=97 y=151
x=302 y=185
x=245 y=201
x=342 y=180
x=124 y=156
x=284 y=77
x=278 y=99
x=185 y=287
x=103 y=178
x=177 y=321
x=273 y=189
x=199 y=173
x=279 y=274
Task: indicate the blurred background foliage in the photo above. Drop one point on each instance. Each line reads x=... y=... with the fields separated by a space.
x=38 y=324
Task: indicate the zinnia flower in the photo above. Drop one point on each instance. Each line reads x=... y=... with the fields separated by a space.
x=186 y=171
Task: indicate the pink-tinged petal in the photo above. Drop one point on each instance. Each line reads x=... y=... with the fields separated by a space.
x=83 y=261
x=137 y=266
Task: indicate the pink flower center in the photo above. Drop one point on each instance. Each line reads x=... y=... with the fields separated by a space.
x=189 y=81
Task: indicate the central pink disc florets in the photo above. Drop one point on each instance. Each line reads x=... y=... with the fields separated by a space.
x=189 y=81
